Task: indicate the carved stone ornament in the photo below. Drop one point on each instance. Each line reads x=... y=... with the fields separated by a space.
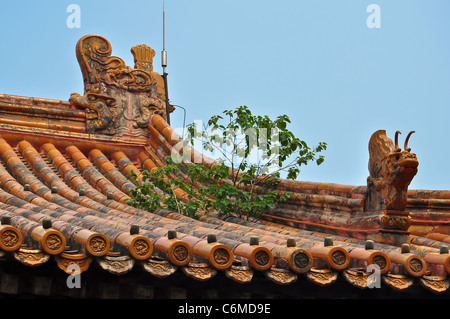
x=116 y=265
x=53 y=243
x=10 y=239
x=181 y=253
x=143 y=57
x=140 y=248
x=391 y=171
x=435 y=284
x=97 y=245
x=199 y=271
x=395 y=220
x=31 y=257
x=359 y=279
x=322 y=277
x=397 y=282
x=118 y=99
x=262 y=258
x=240 y=274
x=69 y=262
x=158 y=267
x=281 y=276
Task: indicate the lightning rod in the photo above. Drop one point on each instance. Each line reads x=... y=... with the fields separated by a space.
x=164 y=65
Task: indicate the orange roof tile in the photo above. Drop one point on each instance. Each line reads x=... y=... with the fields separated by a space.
x=64 y=185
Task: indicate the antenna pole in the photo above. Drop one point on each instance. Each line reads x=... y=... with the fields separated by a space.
x=164 y=65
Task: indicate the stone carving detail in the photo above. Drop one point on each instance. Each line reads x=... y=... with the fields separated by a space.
x=302 y=260
x=435 y=284
x=281 y=276
x=240 y=274
x=143 y=57
x=416 y=265
x=141 y=247
x=221 y=256
x=390 y=220
x=148 y=107
x=53 y=242
x=322 y=277
x=116 y=265
x=9 y=238
x=357 y=278
x=65 y=260
x=31 y=257
x=391 y=172
x=338 y=257
x=118 y=99
x=199 y=271
x=261 y=258
x=397 y=282
x=380 y=261
x=158 y=268
x=180 y=253
x=100 y=113
x=98 y=244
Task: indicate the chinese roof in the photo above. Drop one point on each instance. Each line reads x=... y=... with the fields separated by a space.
x=64 y=186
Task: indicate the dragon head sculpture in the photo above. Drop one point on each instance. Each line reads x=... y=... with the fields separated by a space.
x=391 y=171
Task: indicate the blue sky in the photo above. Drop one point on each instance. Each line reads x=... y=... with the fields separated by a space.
x=316 y=61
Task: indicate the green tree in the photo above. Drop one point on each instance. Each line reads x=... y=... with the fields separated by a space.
x=251 y=153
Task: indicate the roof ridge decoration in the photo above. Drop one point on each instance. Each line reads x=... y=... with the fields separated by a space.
x=118 y=99
x=63 y=186
x=391 y=171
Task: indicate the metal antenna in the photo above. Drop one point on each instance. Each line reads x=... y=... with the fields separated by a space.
x=164 y=52
x=164 y=64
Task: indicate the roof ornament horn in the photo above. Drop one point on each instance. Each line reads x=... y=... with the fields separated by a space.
x=407 y=140
x=397 y=149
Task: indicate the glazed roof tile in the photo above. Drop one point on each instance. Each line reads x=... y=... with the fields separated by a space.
x=64 y=188
x=83 y=195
